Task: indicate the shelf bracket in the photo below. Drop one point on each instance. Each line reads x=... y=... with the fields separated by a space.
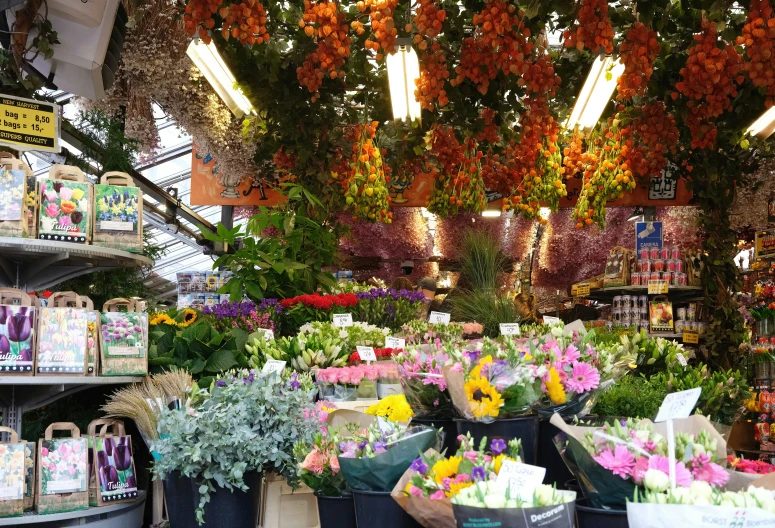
x=35 y=268
x=9 y=269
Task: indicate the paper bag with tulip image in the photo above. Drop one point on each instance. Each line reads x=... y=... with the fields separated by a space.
x=71 y=299
x=114 y=467
x=17 y=333
x=62 y=471
x=99 y=427
x=429 y=513
x=13 y=196
x=601 y=486
x=123 y=339
x=117 y=214
x=63 y=335
x=65 y=205
x=12 y=475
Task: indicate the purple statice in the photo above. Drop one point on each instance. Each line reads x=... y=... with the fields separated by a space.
x=497 y=446
x=269 y=306
x=478 y=473
x=230 y=309
x=419 y=466
x=295 y=381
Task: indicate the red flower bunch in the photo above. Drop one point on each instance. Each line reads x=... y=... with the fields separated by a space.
x=381 y=353
x=757 y=467
x=322 y=302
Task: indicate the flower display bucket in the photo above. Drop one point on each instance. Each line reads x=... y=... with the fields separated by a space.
x=336 y=512
x=235 y=509
x=525 y=428
x=447 y=426
x=377 y=509
x=549 y=457
x=589 y=517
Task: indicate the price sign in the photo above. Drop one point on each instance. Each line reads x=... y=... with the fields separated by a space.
x=27 y=124
x=510 y=329
x=273 y=365
x=548 y=319
x=343 y=320
x=691 y=338
x=521 y=478
x=678 y=405
x=395 y=342
x=268 y=334
x=366 y=353
x=439 y=318
x=582 y=290
x=657 y=287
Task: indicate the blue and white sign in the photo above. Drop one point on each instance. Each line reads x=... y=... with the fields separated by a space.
x=648 y=235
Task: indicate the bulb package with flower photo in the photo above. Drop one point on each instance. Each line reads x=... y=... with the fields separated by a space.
x=118 y=212
x=123 y=339
x=17 y=338
x=62 y=341
x=65 y=213
x=13 y=210
x=13 y=476
x=62 y=480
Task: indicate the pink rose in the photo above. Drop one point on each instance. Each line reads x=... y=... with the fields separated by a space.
x=414 y=491
x=439 y=495
x=471 y=455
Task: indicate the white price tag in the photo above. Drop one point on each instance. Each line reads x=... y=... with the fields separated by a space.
x=366 y=353
x=273 y=365
x=678 y=405
x=548 y=319
x=510 y=329
x=343 y=320
x=268 y=334
x=439 y=318
x=395 y=342
x=521 y=478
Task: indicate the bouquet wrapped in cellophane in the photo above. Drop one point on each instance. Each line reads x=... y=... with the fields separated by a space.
x=420 y=372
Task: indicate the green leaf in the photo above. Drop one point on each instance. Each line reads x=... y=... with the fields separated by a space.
x=197 y=366
x=199 y=331
x=241 y=337
x=221 y=361
x=181 y=347
x=254 y=290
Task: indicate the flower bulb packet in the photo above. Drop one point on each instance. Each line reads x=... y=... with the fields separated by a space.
x=64 y=211
x=17 y=339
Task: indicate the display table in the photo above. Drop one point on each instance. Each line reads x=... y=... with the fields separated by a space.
x=124 y=515
x=31 y=264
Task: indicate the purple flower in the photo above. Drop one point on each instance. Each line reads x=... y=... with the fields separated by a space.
x=108 y=478
x=123 y=457
x=295 y=381
x=25 y=355
x=19 y=328
x=220 y=383
x=5 y=345
x=472 y=355
x=419 y=466
x=131 y=483
x=109 y=444
x=102 y=459
x=479 y=473
x=498 y=446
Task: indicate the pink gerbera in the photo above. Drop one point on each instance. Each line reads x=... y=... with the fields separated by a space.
x=621 y=462
x=683 y=477
x=583 y=378
x=568 y=356
x=711 y=473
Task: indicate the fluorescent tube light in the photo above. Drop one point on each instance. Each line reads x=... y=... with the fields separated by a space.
x=403 y=68
x=595 y=94
x=210 y=62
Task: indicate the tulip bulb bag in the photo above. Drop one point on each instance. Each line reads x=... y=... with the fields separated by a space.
x=63 y=334
x=71 y=299
x=118 y=213
x=17 y=333
x=99 y=427
x=12 y=475
x=13 y=196
x=65 y=205
x=114 y=469
x=29 y=476
x=62 y=471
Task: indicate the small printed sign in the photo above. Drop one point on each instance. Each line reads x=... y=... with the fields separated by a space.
x=273 y=365
x=678 y=405
x=343 y=320
x=268 y=334
x=691 y=338
x=657 y=287
x=366 y=353
x=550 y=320
x=439 y=318
x=511 y=329
x=522 y=478
x=582 y=290
x=29 y=124
x=394 y=342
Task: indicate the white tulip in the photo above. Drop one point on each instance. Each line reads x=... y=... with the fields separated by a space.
x=701 y=488
x=655 y=480
x=544 y=494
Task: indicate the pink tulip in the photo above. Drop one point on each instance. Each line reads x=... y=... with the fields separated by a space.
x=52 y=209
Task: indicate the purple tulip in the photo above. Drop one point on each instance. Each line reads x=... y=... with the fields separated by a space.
x=130 y=483
x=122 y=440
x=25 y=355
x=19 y=328
x=108 y=478
x=123 y=457
x=5 y=345
x=4 y=314
x=102 y=459
x=109 y=444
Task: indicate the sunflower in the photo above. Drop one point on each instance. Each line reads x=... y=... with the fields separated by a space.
x=446 y=468
x=457 y=487
x=476 y=372
x=189 y=316
x=162 y=318
x=483 y=398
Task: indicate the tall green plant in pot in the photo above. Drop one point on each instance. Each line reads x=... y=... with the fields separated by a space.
x=211 y=455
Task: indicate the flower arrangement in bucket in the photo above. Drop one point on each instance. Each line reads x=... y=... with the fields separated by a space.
x=421 y=377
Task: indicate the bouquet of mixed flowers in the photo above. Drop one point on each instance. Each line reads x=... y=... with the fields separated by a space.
x=432 y=479
x=423 y=382
x=702 y=505
x=373 y=459
x=420 y=331
x=389 y=307
x=319 y=464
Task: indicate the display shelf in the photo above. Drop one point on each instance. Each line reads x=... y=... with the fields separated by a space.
x=607 y=294
x=123 y=515
x=32 y=264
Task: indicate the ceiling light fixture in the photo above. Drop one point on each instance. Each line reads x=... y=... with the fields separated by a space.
x=764 y=126
x=595 y=94
x=218 y=74
x=403 y=68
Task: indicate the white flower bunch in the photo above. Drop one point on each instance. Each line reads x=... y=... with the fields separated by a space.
x=494 y=494
x=701 y=493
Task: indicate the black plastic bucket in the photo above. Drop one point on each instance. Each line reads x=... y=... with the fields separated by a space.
x=524 y=428
x=589 y=517
x=235 y=509
x=336 y=512
x=448 y=427
x=549 y=457
x=377 y=509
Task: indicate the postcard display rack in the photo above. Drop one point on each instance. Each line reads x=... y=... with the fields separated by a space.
x=34 y=264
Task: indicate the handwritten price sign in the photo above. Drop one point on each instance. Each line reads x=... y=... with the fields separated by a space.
x=678 y=405
x=343 y=320
x=510 y=329
x=395 y=342
x=439 y=318
x=521 y=478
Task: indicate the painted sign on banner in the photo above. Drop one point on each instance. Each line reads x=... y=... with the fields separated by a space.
x=27 y=124
x=647 y=235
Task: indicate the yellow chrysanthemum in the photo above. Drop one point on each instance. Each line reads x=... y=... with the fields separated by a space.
x=457 y=487
x=189 y=316
x=446 y=468
x=554 y=388
x=483 y=398
x=476 y=372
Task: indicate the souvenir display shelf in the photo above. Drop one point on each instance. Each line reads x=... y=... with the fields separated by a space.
x=31 y=264
x=122 y=515
x=685 y=293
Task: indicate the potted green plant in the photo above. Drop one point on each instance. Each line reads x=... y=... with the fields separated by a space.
x=211 y=454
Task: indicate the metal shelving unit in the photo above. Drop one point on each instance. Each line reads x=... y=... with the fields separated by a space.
x=123 y=515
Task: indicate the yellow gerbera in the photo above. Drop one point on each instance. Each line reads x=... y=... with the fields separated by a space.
x=446 y=468
x=483 y=398
x=476 y=372
x=554 y=388
x=189 y=316
x=456 y=487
